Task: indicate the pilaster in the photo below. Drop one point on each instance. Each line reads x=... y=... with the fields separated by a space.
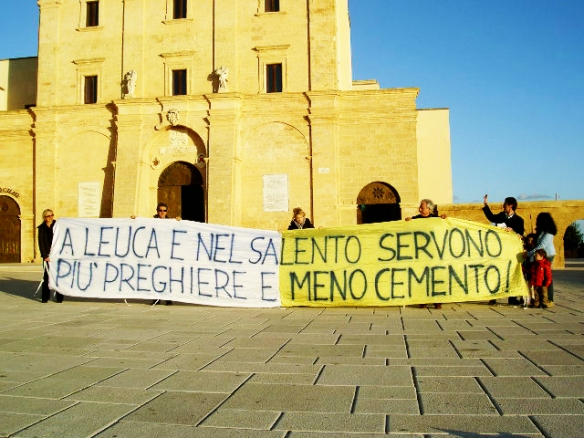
x=45 y=129
x=48 y=51
x=130 y=122
x=224 y=188
x=324 y=129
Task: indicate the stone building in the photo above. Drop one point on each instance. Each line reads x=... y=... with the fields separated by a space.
x=231 y=111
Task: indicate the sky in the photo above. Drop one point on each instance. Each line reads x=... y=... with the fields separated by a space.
x=511 y=73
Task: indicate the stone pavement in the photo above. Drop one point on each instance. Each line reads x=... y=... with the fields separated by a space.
x=106 y=369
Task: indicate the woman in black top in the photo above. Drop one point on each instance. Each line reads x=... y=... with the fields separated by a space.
x=299 y=220
x=45 y=239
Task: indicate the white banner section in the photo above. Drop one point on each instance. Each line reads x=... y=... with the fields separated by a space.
x=183 y=261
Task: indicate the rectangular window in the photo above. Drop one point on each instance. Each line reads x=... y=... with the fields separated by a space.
x=274 y=78
x=180 y=9
x=179 y=82
x=90 y=92
x=272 y=5
x=92 y=14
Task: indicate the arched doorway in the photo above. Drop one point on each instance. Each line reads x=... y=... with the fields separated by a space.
x=9 y=230
x=574 y=240
x=181 y=187
x=378 y=202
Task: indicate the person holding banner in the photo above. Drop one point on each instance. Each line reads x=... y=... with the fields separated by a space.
x=299 y=220
x=427 y=210
x=509 y=221
x=45 y=239
x=507 y=218
x=161 y=213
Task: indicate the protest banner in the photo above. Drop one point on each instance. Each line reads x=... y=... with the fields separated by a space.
x=400 y=263
x=181 y=261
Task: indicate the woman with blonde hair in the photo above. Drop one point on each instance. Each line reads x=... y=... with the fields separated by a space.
x=299 y=220
x=45 y=240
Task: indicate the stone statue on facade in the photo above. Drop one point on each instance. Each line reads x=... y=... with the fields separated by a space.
x=129 y=84
x=221 y=75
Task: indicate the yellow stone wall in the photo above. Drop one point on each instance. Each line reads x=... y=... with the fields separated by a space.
x=18 y=84
x=434 y=164
x=16 y=173
x=330 y=138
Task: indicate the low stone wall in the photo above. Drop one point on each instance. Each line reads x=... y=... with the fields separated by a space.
x=563 y=212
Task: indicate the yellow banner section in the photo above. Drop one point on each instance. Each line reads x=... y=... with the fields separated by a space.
x=400 y=263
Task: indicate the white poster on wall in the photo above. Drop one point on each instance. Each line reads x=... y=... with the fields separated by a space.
x=276 y=192
x=89 y=199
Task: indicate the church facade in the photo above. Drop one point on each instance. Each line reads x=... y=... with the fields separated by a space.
x=230 y=111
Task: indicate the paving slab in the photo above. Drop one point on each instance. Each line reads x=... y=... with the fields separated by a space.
x=560 y=426
x=557 y=406
x=513 y=387
x=242 y=419
x=82 y=419
x=433 y=403
x=365 y=375
x=331 y=422
x=299 y=398
x=563 y=386
x=134 y=429
x=463 y=425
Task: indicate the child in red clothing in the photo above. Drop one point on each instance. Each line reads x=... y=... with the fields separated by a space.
x=541 y=278
x=528 y=245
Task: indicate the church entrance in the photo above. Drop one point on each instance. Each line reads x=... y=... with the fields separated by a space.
x=180 y=186
x=378 y=202
x=9 y=230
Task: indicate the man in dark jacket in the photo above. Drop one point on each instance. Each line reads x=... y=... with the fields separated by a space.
x=512 y=221
x=45 y=239
x=509 y=220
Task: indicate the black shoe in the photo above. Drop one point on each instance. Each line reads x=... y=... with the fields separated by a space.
x=44 y=301
x=492 y=302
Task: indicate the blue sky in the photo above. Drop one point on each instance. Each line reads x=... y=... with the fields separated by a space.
x=510 y=71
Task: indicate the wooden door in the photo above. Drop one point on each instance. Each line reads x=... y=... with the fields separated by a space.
x=180 y=186
x=9 y=230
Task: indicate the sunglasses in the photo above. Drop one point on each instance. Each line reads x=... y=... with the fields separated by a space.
x=163 y=211
x=49 y=215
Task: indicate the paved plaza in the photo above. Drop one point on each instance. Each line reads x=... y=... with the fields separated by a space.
x=90 y=368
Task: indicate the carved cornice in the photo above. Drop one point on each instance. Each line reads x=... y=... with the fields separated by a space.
x=180 y=54
x=275 y=48
x=49 y=3
x=88 y=61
